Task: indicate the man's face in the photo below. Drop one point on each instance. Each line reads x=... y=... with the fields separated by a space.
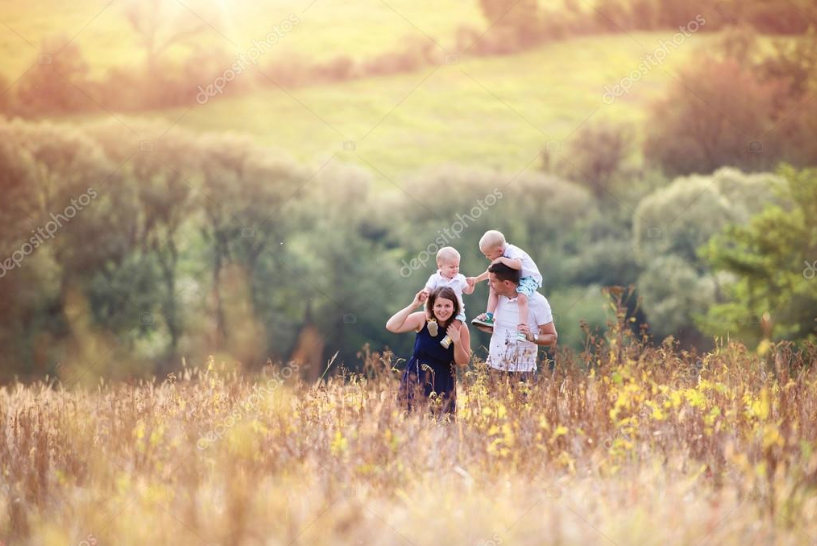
x=503 y=288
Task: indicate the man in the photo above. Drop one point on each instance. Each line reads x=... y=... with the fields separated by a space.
x=506 y=352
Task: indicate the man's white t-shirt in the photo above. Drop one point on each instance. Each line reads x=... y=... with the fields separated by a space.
x=529 y=268
x=457 y=284
x=508 y=353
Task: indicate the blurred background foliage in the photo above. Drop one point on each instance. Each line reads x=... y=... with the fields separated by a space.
x=276 y=221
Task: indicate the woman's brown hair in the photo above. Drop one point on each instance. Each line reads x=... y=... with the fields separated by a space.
x=445 y=293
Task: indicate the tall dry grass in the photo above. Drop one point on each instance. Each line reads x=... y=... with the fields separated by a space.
x=621 y=444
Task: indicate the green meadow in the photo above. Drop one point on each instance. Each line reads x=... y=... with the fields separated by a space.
x=494 y=112
x=328 y=27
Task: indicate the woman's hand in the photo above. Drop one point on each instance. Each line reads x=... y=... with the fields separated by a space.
x=461 y=338
x=453 y=332
x=406 y=321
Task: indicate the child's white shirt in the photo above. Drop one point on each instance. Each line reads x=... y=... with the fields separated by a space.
x=457 y=284
x=529 y=268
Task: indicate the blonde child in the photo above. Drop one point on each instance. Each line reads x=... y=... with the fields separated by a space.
x=448 y=275
x=496 y=249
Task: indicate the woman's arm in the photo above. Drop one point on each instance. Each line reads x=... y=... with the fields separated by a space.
x=461 y=338
x=404 y=320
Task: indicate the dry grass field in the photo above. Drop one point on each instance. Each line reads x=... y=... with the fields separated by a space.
x=621 y=444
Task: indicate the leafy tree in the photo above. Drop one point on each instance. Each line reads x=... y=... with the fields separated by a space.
x=345 y=280
x=31 y=291
x=517 y=21
x=244 y=189
x=704 y=123
x=793 y=17
x=596 y=156
x=162 y=175
x=543 y=214
x=69 y=199
x=670 y=226
x=57 y=83
x=772 y=261
x=5 y=95
x=681 y=217
x=675 y=294
x=160 y=24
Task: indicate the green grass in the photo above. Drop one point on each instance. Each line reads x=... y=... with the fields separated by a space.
x=494 y=112
x=328 y=27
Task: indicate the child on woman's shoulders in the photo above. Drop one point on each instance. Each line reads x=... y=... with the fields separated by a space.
x=448 y=275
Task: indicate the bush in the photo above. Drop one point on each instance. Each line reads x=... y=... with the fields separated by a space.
x=790 y=17
x=716 y=114
x=58 y=82
x=681 y=217
x=516 y=21
x=674 y=295
x=595 y=156
x=337 y=69
x=669 y=228
x=771 y=262
x=415 y=54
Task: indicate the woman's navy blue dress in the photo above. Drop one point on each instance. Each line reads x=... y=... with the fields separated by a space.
x=438 y=375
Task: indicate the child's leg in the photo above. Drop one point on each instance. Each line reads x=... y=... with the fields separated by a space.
x=493 y=301
x=522 y=303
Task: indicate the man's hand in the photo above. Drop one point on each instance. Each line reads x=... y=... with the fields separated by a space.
x=525 y=329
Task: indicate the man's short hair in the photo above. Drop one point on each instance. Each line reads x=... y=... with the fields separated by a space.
x=491 y=240
x=505 y=273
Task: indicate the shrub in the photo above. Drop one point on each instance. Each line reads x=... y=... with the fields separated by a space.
x=57 y=83
x=716 y=114
x=595 y=156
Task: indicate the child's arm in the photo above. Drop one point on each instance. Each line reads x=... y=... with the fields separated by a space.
x=513 y=264
x=474 y=280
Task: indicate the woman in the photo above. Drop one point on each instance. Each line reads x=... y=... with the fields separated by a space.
x=432 y=365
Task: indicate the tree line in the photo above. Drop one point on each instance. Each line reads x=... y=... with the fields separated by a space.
x=210 y=244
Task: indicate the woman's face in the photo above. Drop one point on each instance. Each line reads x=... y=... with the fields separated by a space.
x=443 y=309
